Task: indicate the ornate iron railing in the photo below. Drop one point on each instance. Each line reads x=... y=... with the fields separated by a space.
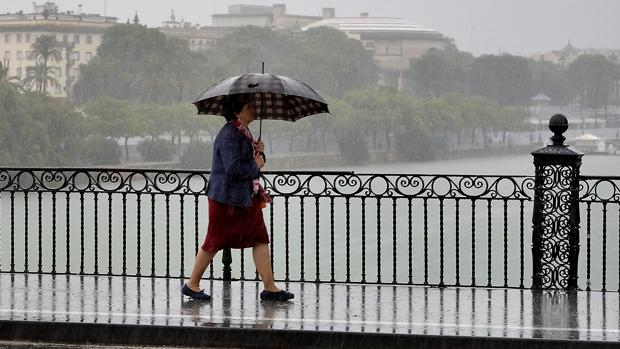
x=600 y=211
x=325 y=226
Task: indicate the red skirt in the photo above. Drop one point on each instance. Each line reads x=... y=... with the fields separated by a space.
x=235 y=227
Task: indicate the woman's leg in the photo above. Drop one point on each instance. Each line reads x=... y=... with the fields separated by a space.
x=262 y=261
x=203 y=259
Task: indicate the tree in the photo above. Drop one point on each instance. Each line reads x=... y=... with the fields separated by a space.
x=37 y=130
x=593 y=78
x=334 y=63
x=69 y=46
x=44 y=48
x=12 y=81
x=142 y=65
x=38 y=77
x=505 y=79
x=349 y=134
x=439 y=72
x=552 y=80
x=115 y=119
x=323 y=57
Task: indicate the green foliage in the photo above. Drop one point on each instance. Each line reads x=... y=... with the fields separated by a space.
x=38 y=77
x=552 y=80
x=353 y=146
x=138 y=64
x=197 y=155
x=593 y=78
x=43 y=49
x=333 y=63
x=349 y=133
x=10 y=81
x=439 y=72
x=414 y=141
x=98 y=150
x=156 y=150
x=511 y=80
x=141 y=65
x=505 y=79
x=36 y=130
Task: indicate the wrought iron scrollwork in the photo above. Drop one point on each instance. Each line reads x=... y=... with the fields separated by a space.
x=326 y=184
x=555 y=239
x=599 y=189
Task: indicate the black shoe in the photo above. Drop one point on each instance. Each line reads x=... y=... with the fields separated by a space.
x=281 y=296
x=201 y=295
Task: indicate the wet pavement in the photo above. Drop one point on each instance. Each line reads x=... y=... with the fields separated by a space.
x=350 y=308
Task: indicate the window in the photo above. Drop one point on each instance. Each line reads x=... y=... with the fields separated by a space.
x=89 y=39
x=7 y=38
x=57 y=89
x=88 y=56
x=28 y=37
x=18 y=72
x=76 y=39
x=19 y=38
x=75 y=56
x=7 y=54
x=20 y=55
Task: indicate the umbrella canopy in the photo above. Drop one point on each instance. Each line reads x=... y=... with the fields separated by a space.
x=276 y=97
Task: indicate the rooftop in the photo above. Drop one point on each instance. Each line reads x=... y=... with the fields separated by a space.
x=373 y=25
x=50 y=12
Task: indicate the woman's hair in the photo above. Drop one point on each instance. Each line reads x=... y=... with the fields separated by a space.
x=235 y=103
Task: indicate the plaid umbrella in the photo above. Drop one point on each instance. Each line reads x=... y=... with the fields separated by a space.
x=276 y=97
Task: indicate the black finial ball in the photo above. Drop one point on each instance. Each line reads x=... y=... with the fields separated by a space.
x=558 y=123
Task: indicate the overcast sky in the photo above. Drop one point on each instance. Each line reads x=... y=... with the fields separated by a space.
x=482 y=26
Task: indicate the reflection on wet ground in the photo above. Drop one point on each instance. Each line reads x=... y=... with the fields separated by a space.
x=507 y=313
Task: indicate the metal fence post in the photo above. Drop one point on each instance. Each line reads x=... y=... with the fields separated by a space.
x=555 y=235
x=227 y=261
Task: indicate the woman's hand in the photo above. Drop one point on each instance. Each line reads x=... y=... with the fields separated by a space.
x=260 y=146
x=260 y=161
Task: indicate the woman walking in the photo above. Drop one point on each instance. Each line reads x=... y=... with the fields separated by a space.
x=236 y=199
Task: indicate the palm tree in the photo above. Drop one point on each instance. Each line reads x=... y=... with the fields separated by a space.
x=69 y=46
x=38 y=76
x=44 y=48
x=6 y=79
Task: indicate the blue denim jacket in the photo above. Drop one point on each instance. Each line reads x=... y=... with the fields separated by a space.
x=233 y=168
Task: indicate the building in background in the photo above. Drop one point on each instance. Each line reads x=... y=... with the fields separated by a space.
x=240 y=15
x=569 y=54
x=79 y=35
x=274 y=17
x=198 y=38
x=392 y=41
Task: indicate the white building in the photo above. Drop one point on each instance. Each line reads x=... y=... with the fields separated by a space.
x=78 y=34
x=392 y=41
x=590 y=144
x=275 y=17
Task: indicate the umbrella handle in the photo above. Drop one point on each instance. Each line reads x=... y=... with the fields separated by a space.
x=260 y=127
